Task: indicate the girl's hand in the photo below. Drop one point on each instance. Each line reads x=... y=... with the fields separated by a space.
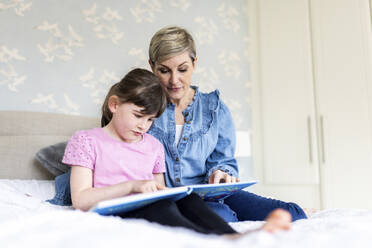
x=145 y=186
x=219 y=176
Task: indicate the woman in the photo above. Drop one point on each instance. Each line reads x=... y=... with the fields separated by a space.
x=197 y=131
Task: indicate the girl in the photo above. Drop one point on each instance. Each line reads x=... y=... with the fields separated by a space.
x=121 y=159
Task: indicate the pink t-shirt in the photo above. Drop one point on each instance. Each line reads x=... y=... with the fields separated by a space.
x=113 y=161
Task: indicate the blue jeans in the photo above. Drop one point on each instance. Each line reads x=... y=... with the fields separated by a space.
x=63 y=192
x=244 y=205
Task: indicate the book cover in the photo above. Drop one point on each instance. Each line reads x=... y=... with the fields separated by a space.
x=216 y=192
x=209 y=192
x=132 y=202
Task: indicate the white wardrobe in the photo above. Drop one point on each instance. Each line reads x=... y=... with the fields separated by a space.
x=312 y=101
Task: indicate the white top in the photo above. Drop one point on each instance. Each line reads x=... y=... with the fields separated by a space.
x=179 y=129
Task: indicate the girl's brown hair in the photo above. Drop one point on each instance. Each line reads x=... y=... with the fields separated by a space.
x=140 y=87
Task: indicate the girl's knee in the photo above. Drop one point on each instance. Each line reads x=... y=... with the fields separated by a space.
x=165 y=204
x=194 y=197
x=190 y=200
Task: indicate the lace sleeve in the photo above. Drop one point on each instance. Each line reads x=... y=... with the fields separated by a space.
x=80 y=150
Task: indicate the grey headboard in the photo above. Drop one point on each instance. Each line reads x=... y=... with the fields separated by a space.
x=22 y=134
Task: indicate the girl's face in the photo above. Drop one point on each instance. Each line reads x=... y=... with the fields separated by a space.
x=128 y=124
x=175 y=74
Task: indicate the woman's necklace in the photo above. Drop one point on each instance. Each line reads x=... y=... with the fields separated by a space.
x=180 y=118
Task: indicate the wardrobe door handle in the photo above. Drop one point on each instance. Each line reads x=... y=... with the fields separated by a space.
x=310 y=139
x=322 y=138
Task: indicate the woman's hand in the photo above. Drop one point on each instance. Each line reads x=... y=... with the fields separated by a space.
x=219 y=176
x=145 y=186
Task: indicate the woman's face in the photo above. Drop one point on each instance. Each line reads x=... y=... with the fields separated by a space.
x=175 y=74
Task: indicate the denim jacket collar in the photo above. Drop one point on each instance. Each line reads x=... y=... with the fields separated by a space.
x=207 y=142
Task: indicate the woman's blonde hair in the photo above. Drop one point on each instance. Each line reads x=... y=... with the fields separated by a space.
x=140 y=87
x=171 y=41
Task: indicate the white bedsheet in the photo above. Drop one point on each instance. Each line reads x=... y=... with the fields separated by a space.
x=26 y=220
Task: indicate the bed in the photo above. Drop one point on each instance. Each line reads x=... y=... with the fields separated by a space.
x=27 y=220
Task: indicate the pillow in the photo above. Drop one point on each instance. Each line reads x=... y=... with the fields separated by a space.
x=63 y=191
x=50 y=158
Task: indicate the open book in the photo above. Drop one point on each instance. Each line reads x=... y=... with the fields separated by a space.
x=209 y=192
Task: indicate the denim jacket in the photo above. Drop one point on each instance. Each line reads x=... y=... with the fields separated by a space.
x=207 y=142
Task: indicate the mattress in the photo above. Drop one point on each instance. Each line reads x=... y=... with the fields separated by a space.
x=26 y=220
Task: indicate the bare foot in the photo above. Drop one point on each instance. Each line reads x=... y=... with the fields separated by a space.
x=233 y=236
x=277 y=220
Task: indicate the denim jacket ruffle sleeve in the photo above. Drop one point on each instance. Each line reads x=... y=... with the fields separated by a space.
x=207 y=142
